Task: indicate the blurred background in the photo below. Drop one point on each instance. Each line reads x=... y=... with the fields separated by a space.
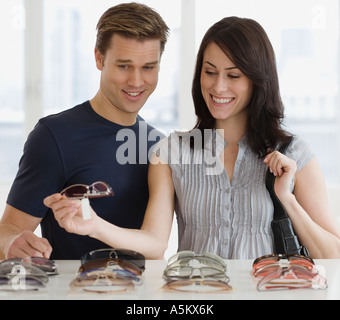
x=47 y=65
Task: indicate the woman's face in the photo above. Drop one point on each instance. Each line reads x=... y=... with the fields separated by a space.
x=225 y=89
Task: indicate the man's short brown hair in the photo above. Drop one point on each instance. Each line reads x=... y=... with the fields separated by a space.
x=131 y=20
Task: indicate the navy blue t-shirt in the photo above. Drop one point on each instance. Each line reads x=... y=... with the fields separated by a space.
x=79 y=146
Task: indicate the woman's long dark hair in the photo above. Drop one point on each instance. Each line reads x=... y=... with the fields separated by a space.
x=246 y=43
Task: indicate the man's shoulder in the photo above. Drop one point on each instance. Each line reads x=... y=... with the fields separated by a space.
x=151 y=129
x=72 y=115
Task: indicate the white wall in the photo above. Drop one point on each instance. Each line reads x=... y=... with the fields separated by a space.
x=3 y=196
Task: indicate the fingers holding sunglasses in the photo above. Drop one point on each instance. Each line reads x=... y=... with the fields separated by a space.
x=61 y=206
x=53 y=199
x=68 y=214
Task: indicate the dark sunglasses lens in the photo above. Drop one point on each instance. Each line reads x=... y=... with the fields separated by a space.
x=132 y=256
x=48 y=266
x=122 y=254
x=129 y=265
x=93 y=265
x=37 y=261
x=96 y=255
x=75 y=191
x=101 y=187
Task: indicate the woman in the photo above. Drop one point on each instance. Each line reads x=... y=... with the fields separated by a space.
x=228 y=212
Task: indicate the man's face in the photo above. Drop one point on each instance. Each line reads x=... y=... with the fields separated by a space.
x=130 y=71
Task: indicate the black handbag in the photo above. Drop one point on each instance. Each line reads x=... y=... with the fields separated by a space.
x=285 y=240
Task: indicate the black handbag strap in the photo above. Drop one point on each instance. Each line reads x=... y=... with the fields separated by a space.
x=279 y=210
x=285 y=240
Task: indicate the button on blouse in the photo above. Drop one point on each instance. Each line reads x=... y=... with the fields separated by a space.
x=229 y=218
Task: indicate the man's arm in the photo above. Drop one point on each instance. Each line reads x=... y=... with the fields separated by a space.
x=17 y=238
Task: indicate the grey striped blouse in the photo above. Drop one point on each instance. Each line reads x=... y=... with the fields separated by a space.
x=229 y=218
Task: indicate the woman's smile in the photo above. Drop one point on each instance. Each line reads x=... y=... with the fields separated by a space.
x=221 y=101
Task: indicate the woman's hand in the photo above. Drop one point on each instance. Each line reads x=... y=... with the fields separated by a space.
x=284 y=170
x=68 y=213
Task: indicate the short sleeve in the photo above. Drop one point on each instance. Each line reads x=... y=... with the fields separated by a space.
x=40 y=174
x=299 y=151
x=161 y=150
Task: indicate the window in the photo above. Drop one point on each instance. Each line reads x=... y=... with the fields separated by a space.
x=306 y=45
x=70 y=75
x=12 y=26
x=48 y=66
x=305 y=36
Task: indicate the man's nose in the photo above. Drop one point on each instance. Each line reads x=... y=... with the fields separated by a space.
x=136 y=79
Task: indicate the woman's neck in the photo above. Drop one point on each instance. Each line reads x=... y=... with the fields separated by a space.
x=231 y=130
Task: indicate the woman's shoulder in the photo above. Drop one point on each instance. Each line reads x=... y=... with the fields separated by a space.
x=173 y=145
x=299 y=151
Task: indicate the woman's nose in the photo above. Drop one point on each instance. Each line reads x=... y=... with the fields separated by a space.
x=221 y=84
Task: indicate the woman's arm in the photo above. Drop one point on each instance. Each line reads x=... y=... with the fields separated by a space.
x=308 y=206
x=151 y=240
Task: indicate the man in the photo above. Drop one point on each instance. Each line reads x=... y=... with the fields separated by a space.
x=84 y=145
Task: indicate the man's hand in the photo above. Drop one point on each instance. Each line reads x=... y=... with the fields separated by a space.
x=27 y=244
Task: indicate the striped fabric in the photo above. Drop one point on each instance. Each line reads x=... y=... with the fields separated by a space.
x=229 y=217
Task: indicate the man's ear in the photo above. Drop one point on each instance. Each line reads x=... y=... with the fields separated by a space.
x=99 y=59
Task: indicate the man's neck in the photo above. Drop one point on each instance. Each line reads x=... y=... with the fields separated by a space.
x=108 y=111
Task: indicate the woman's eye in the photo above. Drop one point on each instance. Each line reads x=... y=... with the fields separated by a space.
x=210 y=73
x=231 y=76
